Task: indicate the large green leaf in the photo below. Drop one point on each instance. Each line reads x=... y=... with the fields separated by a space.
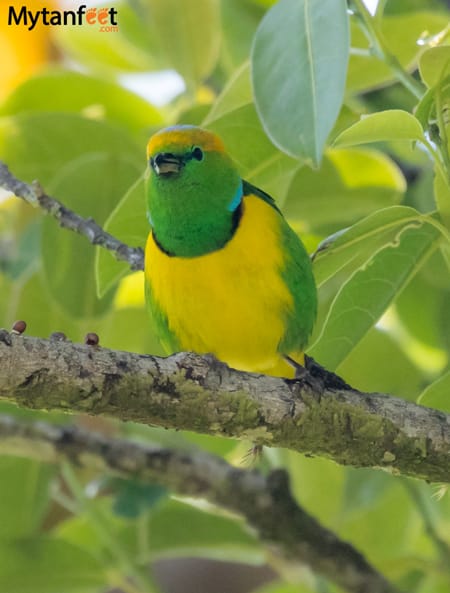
x=393 y=124
x=39 y=145
x=66 y=91
x=299 y=66
x=24 y=497
x=359 y=242
x=46 y=565
x=437 y=395
x=188 y=34
x=91 y=186
x=351 y=183
x=364 y=297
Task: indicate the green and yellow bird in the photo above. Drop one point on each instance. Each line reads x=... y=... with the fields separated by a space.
x=225 y=274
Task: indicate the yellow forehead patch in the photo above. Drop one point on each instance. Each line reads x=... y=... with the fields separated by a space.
x=183 y=137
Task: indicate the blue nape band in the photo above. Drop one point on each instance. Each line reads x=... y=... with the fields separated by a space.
x=236 y=198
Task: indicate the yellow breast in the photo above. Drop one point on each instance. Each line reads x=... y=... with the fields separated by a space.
x=231 y=302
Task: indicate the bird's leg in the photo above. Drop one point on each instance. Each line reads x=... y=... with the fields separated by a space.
x=313 y=369
x=329 y=379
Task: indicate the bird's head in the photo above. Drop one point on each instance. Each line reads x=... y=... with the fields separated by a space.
x=194 y=191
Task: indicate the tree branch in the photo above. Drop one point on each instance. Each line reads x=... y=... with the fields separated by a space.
x=199 y=393
x=265 y=502
x=35 y=195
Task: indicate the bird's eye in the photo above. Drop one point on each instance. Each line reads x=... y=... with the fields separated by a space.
x=197 y=153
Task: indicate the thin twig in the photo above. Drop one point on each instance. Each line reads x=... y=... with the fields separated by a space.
x=35 y=195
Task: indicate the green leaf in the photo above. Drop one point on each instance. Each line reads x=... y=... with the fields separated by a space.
x=299 y=66
x=401 y=32
x=46 y=565
x=362 y=240
x=39 y=145
x=237 y=93
x=424 y=294
x=393 y=512
x=364 y=297
x=114 y=329
x=65 y=91
x=400 y=375
x=91 y=186
x=131 y=48
x=239 y=23
x=393 y=124
x=163 y=534
x=434 y=65
x=24 y=497
x=209 y=535
x=425 y=107
x=127 y=222
x=191 y=49
x=351 y=184
x=437 y=395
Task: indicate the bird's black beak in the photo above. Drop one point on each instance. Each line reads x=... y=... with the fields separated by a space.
x=166 y=163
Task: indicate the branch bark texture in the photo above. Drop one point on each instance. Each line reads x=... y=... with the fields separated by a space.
x=198 y=393
x=265 y=502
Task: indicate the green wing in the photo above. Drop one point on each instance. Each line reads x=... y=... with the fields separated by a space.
x=250 y=189
x=298 y=275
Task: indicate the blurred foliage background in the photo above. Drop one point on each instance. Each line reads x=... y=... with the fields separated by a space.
x=286 y=90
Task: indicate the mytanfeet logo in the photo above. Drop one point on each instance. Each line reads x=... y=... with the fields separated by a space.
x=105 y=18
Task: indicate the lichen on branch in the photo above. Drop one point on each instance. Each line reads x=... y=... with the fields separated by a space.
x=191 y=392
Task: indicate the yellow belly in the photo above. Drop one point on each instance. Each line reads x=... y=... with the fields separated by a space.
x=232 y=302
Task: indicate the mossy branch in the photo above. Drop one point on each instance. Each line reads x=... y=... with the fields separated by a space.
x=186 y=391
x=265 y=502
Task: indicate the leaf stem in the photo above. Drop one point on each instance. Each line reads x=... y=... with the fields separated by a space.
x=127 y=566
x=380 y=49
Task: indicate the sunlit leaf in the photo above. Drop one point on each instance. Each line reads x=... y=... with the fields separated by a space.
x=299 y=65
x=394 y=124
x=364 y=297
x=65 y=91
x=350 y=184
